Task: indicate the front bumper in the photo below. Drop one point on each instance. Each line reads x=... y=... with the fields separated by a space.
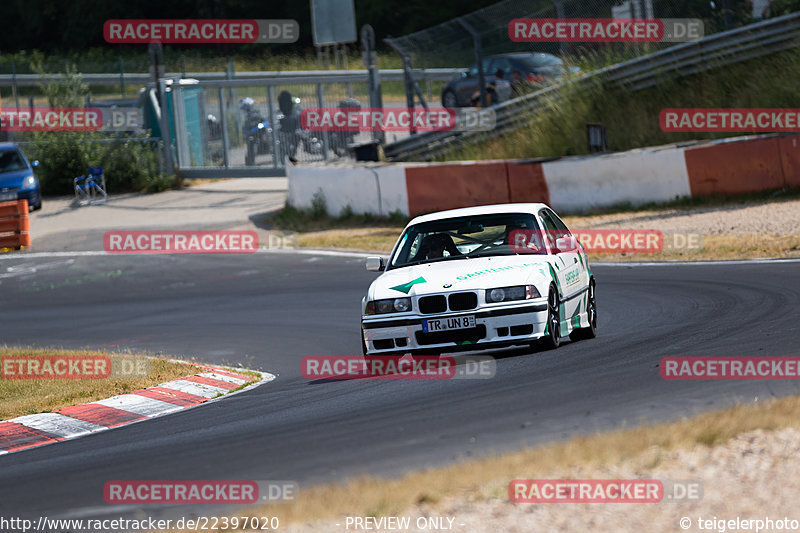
x=33 y=196
x=494 y=326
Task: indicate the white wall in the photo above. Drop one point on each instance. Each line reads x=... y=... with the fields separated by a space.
x=638 y=177
x=356 y=187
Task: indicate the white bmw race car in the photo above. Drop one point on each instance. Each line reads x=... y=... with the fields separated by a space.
x=479 y=277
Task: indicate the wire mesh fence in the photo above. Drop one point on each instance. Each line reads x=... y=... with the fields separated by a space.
x=450 y=44
x=231 y=124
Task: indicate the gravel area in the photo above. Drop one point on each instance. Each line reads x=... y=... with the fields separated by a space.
x=776 y=218
x=752 y=477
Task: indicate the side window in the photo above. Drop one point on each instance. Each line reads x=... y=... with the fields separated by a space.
x=549 y=227
x=473 y=70
x=557 y=221
x=547 y=221
x=504 y=64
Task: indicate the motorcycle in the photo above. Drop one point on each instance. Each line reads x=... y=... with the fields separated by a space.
x=291 y=135
x=341 y=138
x=256 y=130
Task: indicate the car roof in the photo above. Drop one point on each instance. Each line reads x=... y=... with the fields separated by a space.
x=480 y=210
x=4 y=146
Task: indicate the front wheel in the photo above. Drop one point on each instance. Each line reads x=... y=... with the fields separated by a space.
x=250 y=155
x=553 y=338
x=449 y=99
x=591 y=310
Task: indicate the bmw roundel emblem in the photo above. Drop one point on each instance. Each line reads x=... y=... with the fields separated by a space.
x=447 y=285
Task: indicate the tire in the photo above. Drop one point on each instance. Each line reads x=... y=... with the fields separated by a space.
x=591 y=331
x=250 y=157
x=449 y=99
x=553 y=339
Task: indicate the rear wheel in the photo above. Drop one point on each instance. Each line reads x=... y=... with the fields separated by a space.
x=553 y=338
x=449 y=99
x=591 y=310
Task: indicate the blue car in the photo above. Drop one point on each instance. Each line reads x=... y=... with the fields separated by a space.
x=17 y=180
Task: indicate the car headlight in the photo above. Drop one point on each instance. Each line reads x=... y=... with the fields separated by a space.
x=391 y=305
x=506 y=294
x=29 y=182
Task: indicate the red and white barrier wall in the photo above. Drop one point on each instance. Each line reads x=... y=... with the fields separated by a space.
x=730 y=166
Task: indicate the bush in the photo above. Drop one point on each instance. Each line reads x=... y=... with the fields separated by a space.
x=319 y=206
x=128 y=166
x=64 y=155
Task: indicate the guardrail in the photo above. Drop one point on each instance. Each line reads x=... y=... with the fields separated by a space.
x=717 y=50
x=308 y=76
x=15 y=224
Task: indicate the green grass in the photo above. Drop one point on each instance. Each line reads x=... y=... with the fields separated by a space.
x=317 y=218
x=632 y=118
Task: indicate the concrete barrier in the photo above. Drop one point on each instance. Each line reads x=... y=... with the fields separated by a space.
x=659 y=174
x=526 y=182
x=638 y=177
x=378 y=190
x=735 y=167
x=437 y=187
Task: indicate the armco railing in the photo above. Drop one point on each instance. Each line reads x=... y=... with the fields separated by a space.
x=309 y=76
x=741 y=44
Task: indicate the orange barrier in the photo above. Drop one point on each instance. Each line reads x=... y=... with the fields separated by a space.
x=14 y=224
x=450 y=186
x=526 y=182
x=738 y=167
x=790 y=160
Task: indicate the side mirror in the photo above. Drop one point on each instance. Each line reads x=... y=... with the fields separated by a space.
x=35 y=164
x=375 y=264
x=566 y=244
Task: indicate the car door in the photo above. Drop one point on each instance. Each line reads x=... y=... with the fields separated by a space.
x=469 y=85
x=568 y=265
x=502 y=86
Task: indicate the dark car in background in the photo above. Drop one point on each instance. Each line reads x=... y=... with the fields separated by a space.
x=535 y=68
x=17 y=180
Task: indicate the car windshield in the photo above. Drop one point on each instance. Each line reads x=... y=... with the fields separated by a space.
x=460 y=238
x=541 y=60
x=11 y=160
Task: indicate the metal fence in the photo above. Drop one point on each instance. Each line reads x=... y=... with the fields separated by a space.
x=449 y=43
x=238 y=127
x=753 y=41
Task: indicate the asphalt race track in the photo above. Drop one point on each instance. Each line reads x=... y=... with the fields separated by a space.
x=268 y=310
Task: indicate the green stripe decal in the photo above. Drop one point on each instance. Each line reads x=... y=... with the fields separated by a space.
x=555 y=278
x=405 y=287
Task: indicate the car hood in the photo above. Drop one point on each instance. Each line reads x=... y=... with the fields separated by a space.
x=13 y=178
x=461 y=274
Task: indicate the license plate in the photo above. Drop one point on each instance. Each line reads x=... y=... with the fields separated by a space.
x=446 y=324
x=9 y=196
